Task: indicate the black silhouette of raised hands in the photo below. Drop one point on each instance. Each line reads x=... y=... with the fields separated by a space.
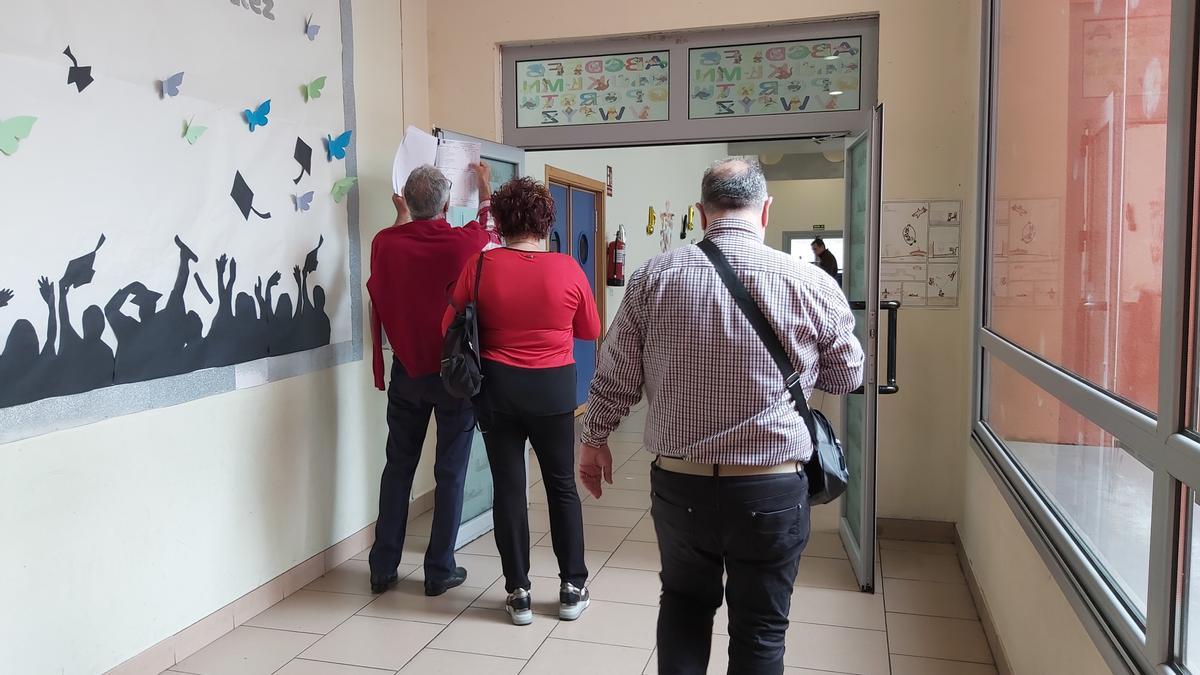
x=221 y=263
x=232 y=271
x=6 y=295
x=296 y=274
x=47 y=289
x=258 y=288
x=274 y=280
x=185 y=253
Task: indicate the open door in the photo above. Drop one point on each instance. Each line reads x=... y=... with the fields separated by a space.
x=506 y=163
x=861 y=285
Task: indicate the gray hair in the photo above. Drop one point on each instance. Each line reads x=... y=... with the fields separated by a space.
x=732 y=184
x=426 y=192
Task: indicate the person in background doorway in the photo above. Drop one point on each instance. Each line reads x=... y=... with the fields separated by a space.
x=412 y=267
x=825 y=258
x=532 y=306
x=729 y=493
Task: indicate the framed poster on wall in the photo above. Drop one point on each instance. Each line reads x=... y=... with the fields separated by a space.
x=583 y=90
x=774 y=78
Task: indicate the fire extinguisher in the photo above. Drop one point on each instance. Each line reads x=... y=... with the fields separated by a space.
x=616 y=259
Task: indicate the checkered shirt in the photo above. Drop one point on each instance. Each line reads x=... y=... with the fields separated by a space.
x=715 y=395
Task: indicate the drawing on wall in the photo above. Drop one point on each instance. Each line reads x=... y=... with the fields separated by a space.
x=176 y=270
x=605 y=89
x=1026 y=252
x=775 y=78
x=920 y=252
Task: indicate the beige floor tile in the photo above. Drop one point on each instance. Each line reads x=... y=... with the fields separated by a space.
x=929 y=598
x=586 y=659
x=485 y=545
x=545 y=596
x=825 y=545
x=439 y=662
x=849 y=609
x=638 y=587
x=414 y=550
x=307 y=667
x=310 y=611
x=247 y=651
x=915 y=665
x=623 y=480
x=621 y=499
x=637 y=555
x=917 y=547
x=421 y=526
x=718 y=661
x=364 y=554
x=827 y=573
x=596 y=537
x=636 y=466
x=841 y=650
x=490 y=632
x=352 y=576
x=613 y=623
x=482 y=570
x=937 y=638
x=539 y=522
x=601 y=515
x=644 y=530
x=899 y=564
x=542 y=562
x=373 y=642
x=408 y=602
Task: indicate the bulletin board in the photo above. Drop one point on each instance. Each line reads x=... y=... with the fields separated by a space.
x=179 y=185
x=920 y=254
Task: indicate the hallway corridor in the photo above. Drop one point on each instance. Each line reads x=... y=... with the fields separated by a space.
x=921 y=622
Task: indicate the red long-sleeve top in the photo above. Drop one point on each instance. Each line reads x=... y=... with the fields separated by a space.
x=532 y=306
x=413 y=267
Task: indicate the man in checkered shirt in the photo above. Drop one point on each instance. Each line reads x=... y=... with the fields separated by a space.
x=729 y=492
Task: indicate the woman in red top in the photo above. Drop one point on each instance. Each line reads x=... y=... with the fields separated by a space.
x=532 y=306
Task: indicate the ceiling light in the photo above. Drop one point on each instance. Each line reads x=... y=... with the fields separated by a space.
x=770 y=160
x=838 y=92
x=831 y=57
x=834 y=156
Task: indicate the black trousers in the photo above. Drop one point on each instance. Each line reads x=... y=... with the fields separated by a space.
x=411 y=401
x=751 y=529
x=553 y=440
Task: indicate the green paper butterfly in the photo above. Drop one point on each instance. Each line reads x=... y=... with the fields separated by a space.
x=342 y=187
x=13 y=131
x=313 y=89
x=193 y=132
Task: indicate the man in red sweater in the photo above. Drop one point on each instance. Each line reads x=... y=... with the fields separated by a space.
x=414 y=264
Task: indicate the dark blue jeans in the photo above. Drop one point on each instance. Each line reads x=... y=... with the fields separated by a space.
x=411 y=401
x=751 y=529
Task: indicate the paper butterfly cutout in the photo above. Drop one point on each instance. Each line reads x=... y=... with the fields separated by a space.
x=311 y=29
x=342 y=188
x=193 y=132
x=13 y=131
x=258 y=117
x=170 y=86
x=313 y=89
x=304 y=201
x=336 y=147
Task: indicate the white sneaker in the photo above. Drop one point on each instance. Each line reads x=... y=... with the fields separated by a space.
x=520 y=607
x=572 y=601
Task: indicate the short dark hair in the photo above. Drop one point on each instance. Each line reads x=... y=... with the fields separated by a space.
x=523 y=207
x=733 y=183
x=819 y=242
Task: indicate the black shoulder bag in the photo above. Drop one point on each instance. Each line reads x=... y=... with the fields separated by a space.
x=462 y=373
x=826 y=469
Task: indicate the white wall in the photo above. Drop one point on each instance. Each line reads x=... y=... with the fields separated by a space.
x=642 y=177
x=119 y=534
x=801 y=204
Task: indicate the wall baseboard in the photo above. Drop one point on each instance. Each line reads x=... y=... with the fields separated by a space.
x=904 y=529
x=204 y=632
x=981 y=606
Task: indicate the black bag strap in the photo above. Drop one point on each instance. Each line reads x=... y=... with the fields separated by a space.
x=478 y=276
x=770 y=339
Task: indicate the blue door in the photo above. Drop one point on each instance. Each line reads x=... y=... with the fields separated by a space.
x=558 y=233
x=583 y=249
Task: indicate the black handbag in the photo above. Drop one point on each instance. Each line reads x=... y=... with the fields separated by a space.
x=462 y=372
x=826 y=469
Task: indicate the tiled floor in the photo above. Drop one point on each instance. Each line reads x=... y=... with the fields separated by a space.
x=920 y=621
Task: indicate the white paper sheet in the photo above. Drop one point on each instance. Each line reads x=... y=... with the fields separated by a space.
x=417 y=148
x=457 y=160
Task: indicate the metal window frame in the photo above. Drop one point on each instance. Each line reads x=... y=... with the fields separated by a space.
x=1162 y=443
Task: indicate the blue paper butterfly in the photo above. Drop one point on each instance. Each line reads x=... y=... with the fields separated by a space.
x=258 y=117
x=170 y=86
x=304 y=201
x=336 y=147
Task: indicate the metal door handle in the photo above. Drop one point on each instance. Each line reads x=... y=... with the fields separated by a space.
x=892 y=307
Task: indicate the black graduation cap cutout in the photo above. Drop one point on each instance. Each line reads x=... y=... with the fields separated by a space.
x=81 y=270
x=303 y=157
x=80 y=76
x=310 y=263
x=243 y=196
x=142 y=296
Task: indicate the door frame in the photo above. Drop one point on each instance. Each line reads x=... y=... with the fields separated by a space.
x=599 y=243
